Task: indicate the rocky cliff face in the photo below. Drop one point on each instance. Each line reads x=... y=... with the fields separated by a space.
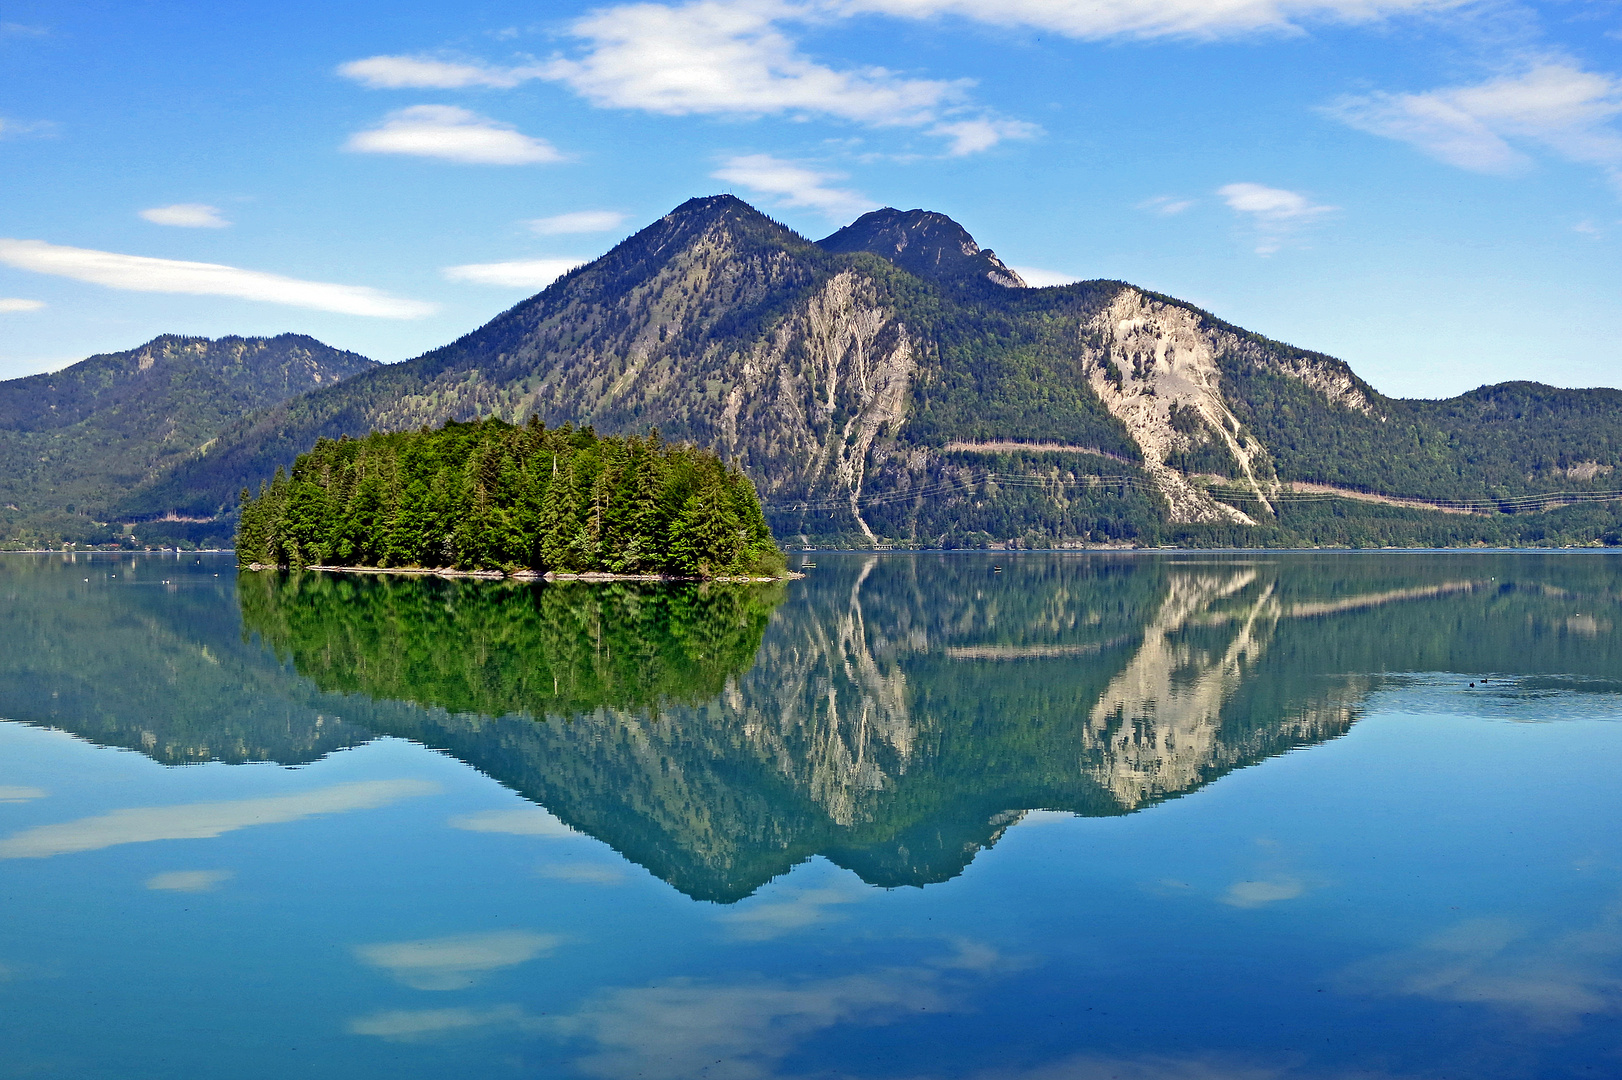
x=927 y=244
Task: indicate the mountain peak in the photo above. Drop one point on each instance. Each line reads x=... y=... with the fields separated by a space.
x=926 y=243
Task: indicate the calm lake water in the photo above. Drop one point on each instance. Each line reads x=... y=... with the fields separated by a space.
x=1180 y=816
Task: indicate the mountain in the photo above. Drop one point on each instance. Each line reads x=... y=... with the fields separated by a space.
x=924 y=243
x=73 y=441
x=897 y=384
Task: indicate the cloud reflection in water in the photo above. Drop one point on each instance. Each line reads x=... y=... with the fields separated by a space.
x=202 y=821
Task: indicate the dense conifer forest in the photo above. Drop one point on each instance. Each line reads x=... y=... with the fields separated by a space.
x=489 y=495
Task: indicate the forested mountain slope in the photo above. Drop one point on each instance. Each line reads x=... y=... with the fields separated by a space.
x=897 y=383
x=73 y=441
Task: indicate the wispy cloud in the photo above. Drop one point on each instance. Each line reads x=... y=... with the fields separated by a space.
x=516 y=274
x=186 y=216
x=188 y=881
x=8 y=127
x=730 y=58
x=452 y=134
x=530 y=821
x=199 y=821
x=417 y=1025
x=1197 y=19
x=10 y=793
x=1277 y=214
x=580 y=221
x=982 y=133
x=455 y=963
x=422 y=72
x=1167 y=205
x=12 y=29
x=1551 y=981
x=718 y=58
x=1553 y=104
x=1146 y=1067
x=794 y=185
x=682 y=1029
x=139 y=273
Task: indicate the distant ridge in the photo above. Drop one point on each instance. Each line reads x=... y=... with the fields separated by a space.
x=74 y=441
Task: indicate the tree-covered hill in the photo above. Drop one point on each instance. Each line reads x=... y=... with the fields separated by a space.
x=491 y=496
x=73 y=442
x=892 y=385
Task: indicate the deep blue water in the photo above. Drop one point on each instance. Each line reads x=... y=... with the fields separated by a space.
x=1194 y=817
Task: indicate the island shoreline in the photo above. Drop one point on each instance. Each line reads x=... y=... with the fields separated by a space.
x=530 y=575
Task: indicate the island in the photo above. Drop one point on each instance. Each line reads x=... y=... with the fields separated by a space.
x=493 y=498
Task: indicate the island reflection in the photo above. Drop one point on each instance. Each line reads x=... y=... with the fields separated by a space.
x=894 y=714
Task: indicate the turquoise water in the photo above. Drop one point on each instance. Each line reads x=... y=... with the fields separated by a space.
x=1002 y=817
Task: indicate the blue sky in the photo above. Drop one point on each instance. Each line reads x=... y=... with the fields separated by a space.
x=1429 y=189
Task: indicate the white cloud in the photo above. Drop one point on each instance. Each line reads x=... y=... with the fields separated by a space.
x=421 y=72
x=452 y=134
x=973 y=136
x=1249 y=894
x=188 y=880
x=17 y=792
x=1038 y=278
x=138 y=273
x=794 y=185
x=532 y=821
x=1275 y=205
x=186 y=216
x=717 y=58
x=455 y=963
x=517 y=274
x=415 y=1025
x=1199 y=19
x=199 y=821
x=1553 y=104
x=721 y=57
x=1276 y=213
x=1168 y=205
x=580 y=221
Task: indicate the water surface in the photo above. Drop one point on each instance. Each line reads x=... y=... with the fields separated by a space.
x=1192 y=816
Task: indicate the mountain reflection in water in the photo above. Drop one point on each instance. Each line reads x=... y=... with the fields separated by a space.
x=894 y=714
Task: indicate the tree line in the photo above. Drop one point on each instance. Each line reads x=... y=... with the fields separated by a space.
x=492 y=495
